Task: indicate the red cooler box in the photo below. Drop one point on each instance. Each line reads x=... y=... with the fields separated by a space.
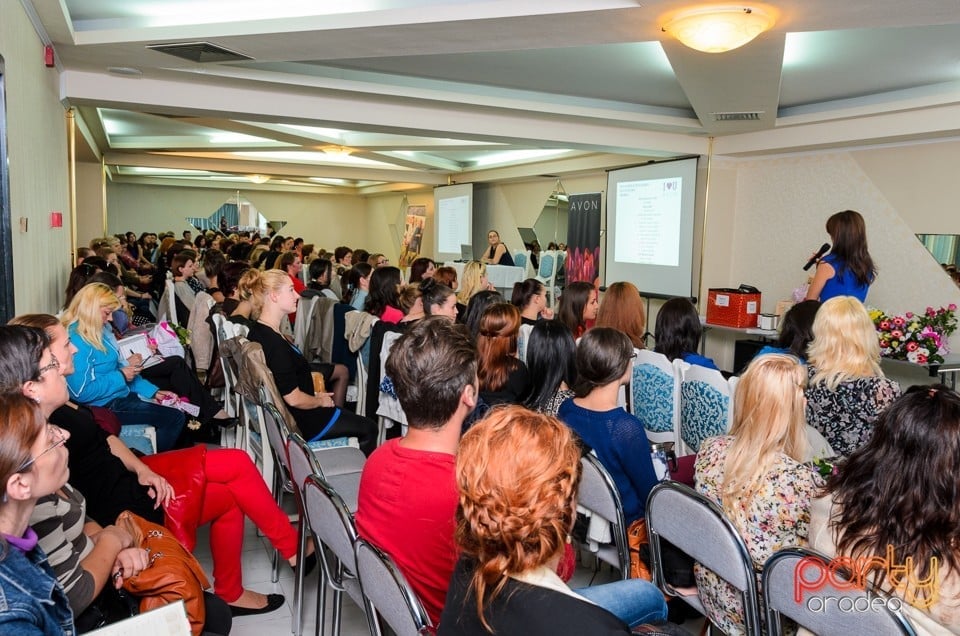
x=733 y=307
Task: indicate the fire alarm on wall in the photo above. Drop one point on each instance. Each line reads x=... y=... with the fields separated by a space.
x=48 y=56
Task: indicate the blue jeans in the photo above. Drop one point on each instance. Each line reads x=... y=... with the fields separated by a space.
x=168 y=422
x=633 y=601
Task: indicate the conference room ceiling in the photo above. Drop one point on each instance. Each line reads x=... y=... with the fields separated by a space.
x=369 y=96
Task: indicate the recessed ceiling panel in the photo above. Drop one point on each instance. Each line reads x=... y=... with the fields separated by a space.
x=832 y=65
x=634 y=73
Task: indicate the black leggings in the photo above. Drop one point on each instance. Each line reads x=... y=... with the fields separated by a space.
x=312 y=422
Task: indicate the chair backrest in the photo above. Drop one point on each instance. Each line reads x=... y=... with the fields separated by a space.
x=698 y=527
x=547 y=270
x=389 y=406
x=277 y=434
x=330 y=520
x=201 y=341
x=598 y=493
x=303 y=462
x=389 y=592
x=655 y=394
x=520 y=259
x=706 y=405
x=167 y=308
x=784 y=574
x=254 y=374
x=305 y=309
x=523 y=338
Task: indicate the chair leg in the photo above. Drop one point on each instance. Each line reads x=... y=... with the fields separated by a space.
x=297 y=617
x=337 y=606
x=321 y=609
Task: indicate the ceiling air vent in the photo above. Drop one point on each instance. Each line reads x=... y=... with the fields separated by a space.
x=199 y=52
x=752 y=115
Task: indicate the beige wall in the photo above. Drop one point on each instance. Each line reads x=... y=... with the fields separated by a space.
x=767 y=214
x=89 y=202
x=385 y=216
x=37 y=147
x=325 y=220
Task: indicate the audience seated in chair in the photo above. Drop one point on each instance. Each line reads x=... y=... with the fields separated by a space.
x=678 y=333
x=216 y=486
x=517 y=473
x=756 y=476
x=316 y=415
x=408 y=496
x=869 y=507
x=847 y=391
x=603 y=361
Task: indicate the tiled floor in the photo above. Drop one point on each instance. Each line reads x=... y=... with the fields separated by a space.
x=257 y=573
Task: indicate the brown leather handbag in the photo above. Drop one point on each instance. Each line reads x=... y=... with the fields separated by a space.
x=173 y=574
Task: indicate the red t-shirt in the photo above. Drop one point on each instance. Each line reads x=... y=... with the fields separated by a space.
x=407 y=507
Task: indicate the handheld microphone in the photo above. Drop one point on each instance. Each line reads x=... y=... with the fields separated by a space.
x=816 y=257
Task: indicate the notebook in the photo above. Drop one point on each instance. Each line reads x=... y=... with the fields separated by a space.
x=138 y=344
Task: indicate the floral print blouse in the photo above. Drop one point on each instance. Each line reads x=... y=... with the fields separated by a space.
x=847 y=415
x=778 y=514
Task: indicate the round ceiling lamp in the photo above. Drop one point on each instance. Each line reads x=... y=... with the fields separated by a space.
x=717 y=29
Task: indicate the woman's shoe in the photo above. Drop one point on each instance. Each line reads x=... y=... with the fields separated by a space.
x=274 y=602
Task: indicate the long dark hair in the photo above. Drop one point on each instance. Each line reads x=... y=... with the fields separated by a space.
x=350 y=280
x=849 y=234
x=477 y=305
x=900 y=489
x=418 y=267
x=678 y=329
x=320 y=270
x=384 y=290
x=551 y=359
x=433 y=294
x=572 y=303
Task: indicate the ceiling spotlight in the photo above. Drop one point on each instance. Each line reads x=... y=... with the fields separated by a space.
x=258 y=178
x=717 y=29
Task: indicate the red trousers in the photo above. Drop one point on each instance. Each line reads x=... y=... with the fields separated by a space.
x=236 y=489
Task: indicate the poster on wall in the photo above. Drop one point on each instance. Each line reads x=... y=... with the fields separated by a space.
x=583 y=238
x=412 y=235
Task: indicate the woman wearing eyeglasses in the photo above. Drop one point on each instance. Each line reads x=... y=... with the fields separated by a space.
x=225 y=485
x=33 y=463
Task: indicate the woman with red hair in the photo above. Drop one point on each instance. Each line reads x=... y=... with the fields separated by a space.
x=503 y=377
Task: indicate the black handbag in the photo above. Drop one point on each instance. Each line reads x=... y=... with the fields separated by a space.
x=111 y=606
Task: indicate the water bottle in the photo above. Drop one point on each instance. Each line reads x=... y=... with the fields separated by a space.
x=664 y=460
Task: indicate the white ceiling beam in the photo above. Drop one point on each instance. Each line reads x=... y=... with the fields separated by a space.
x=268 y=168
x=339 y=111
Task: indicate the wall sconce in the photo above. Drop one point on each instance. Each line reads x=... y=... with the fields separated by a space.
x=717 y=29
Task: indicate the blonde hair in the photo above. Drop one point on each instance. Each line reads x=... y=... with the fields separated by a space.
x=517 y=473
x=84 y=310
x=254 y=286
x=470 y=284
x=407 y=297
x=769 y=420
x=845 y=345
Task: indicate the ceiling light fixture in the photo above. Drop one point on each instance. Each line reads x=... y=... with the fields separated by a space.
x=717 y=29
x=337 y=151
x=258 y=178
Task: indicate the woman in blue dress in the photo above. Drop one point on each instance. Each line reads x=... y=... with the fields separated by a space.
x=848 y=270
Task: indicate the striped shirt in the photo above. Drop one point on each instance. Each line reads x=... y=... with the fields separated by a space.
x=58 y=521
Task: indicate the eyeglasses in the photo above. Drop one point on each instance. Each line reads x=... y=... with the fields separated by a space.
x=53 y=365
x=55 y=431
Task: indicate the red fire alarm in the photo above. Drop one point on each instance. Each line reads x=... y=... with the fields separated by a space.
x=56 y=219
x=48 y=56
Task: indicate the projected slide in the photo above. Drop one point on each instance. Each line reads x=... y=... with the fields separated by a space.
x=648 y=222
x=453 y=223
